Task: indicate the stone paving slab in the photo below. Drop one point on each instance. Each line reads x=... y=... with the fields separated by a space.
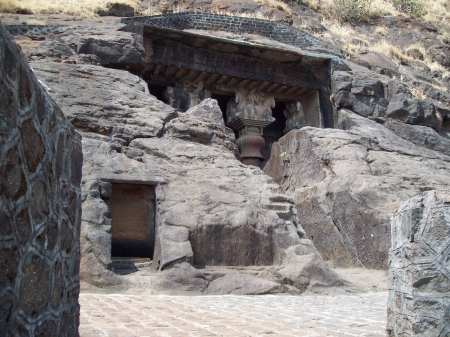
x=120 y=315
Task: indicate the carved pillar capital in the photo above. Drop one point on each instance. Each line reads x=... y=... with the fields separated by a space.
x=249 y=113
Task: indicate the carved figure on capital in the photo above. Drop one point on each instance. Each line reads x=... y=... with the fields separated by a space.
x=295 y=116
x=185 y=95
x=250 y=104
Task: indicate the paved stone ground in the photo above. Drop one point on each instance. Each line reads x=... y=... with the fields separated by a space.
x=122 y=315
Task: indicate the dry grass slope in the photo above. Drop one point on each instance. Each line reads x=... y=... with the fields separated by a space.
x=435 y=11
x=88 y=8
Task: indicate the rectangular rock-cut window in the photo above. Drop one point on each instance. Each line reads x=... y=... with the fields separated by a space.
x=133 y=220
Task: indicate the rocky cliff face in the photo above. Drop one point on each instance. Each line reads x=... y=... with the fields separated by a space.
x=347 y=183
x=211 y=209
x=341 y=185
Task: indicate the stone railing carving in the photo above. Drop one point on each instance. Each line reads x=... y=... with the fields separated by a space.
x=295 y=116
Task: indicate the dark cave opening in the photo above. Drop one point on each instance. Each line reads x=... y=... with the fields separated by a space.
x=223 y=99
x=274 y=131
x=157 y=91
x=133 y=220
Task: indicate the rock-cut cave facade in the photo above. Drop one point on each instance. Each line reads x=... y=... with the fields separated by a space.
x=263 y=90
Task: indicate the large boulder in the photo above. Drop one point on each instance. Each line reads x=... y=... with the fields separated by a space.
x=381 y=98
x=109 y=46
x=347 y=183
x=419 y=270
x=107 y=102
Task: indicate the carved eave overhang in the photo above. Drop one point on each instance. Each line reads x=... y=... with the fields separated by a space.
x=226 y=62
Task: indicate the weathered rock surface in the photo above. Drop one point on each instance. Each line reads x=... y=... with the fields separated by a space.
x=40 y=205
x=104 y=101
x=112 y=47
x=381 y=98
x=377 y=62
x=419 y=272
x=346 y=184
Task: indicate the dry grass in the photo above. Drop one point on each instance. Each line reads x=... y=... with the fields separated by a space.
x=445 y=36
x=276 y=4
x=436 y=11
x=435 y=66
x=419 y=93
x=87 y=8
x=381 y=30
x=377 y=7
x=384 y=47
x=36 y=22
x=416 y=50
x=343 y=32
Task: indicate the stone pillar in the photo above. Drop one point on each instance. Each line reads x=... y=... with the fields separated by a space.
x=248 y=114
x=250 y=143
x=40 y=205
x=419 y=268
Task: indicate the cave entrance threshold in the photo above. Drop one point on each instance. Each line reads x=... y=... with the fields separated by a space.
x=133 y=221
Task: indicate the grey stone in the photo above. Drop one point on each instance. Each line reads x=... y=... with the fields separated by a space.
x=381 y=98
x=421 y=136
x=242 y=284
x=346 y=184
x=174 y=245
x=112 y=47
x=40 y=205
x=377 y=62
x=419 y=273
x=115 y=103
x=208 y=110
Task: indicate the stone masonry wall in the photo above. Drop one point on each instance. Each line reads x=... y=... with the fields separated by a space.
x=40 y=205
x=206 y=21
x=419 y=269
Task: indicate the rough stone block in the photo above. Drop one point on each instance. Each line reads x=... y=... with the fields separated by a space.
x=34 y=290
x=419 y=272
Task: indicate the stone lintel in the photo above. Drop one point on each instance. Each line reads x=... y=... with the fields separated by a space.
x=126 y=179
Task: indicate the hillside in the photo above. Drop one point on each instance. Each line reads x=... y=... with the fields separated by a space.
x=327 y=190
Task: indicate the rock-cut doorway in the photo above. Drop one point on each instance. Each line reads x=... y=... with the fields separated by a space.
x=133 y=221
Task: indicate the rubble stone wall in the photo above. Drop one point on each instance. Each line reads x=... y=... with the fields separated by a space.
x=419 y=269
x=206 y=21
x=40 y=205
